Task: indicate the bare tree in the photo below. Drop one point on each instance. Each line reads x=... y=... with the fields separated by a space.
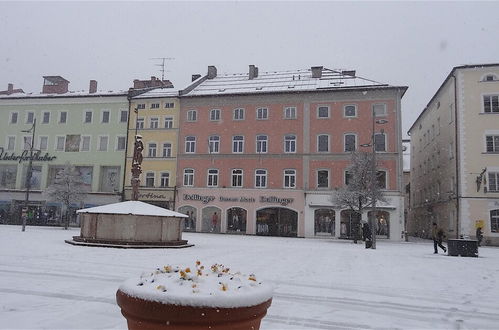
x=68 y=188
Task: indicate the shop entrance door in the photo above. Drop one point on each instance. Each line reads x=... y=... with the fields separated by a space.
x=277 y=221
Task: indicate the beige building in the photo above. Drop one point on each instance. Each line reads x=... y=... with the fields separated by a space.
x=455 y=156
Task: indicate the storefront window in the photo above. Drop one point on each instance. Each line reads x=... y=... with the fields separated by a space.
x=190 y=222
x=324 y=222
x=8 y=175
x=36 y=177
x=277 y=221
x=350 y=224
x=236 y=220
x=211 y=219
x=383 y=223
x=110 y=179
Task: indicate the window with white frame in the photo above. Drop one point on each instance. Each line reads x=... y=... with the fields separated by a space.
x=492 y=143
x=103 y=143
x=169 y=105
x=212 y=177
x=290 y=143
x=141 y=106
x=237 y=178
x=239 y=114
x=43 y=142
x=494 y=221
x=154 y=105
x=214 y=144
x=380 y=142
x=63 y=117
x=30 y=117
x=381 y=179
x=190 y=144
x=323 y=111
x=188 y=177
x=140 y=123
x=120 y=143
x=290 y=112
x=322 y=178
x=350 y=142
x=105 y=116
x=350 y=110
x=379 y=110
x=151 y=147
x=237 y=144
x=493 y=181
x=60 y=143
x=123 y=116
x=289 y=178
x=215 y=114
x=85 y=143
x=491 y=103
x=192 y=115
x=27 y=142
x=88 y=117
x=261 y=144
x=168 y=122
x=260 y=178
x=167 y=150
x=165 y=179
x=154 y=123
x=262 y=113
x=13 y=117
x=323 y=143
x=150 y=179
x=46 y=117
x=11 y=143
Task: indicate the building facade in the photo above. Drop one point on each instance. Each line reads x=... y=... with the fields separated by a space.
x=455 y=156
x=263 y=153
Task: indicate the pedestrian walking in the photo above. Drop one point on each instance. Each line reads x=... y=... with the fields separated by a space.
x=479 y=235
x=438 y=235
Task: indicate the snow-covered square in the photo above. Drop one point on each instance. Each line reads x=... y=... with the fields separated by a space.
x=318 y=283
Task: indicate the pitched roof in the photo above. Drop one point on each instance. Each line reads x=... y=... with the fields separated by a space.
x=133 y=208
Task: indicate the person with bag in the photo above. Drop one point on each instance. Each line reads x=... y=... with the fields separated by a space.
x=438 y=235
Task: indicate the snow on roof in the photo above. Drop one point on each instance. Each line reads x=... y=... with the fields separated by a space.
x=158 y=92
x=68 y=94
x=133 y=208
x=283 y=81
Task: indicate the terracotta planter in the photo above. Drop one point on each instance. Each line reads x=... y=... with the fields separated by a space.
x=152 y=315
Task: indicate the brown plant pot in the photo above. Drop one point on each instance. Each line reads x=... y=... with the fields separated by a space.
x=152 y=315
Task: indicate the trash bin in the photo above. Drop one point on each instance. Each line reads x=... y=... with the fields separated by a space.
x=462 y=247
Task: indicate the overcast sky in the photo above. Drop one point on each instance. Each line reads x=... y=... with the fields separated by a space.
x=412 y=44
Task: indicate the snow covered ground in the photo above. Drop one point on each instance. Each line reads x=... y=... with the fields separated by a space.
x=319 y=283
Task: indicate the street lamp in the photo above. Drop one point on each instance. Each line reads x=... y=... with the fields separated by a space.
x=30 y=171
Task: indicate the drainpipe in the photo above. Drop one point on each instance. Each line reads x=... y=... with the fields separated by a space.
x=458 y=196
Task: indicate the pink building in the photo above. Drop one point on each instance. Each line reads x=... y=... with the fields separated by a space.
x=262 y=153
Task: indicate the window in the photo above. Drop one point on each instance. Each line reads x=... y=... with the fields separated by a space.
x=150 y=179
x=260 y=178
x=192 y=115
x=85 y=143
x=121 y=143
x=30 y=117
x=123 y=116
x=169 y=105
x=494 y=221
x=290 y=112
x=88 y=117
x=214 y=144
x=190 y=144
x=380 y=142
x=105 y=116
x=141 y=106
x=262 y=113
x=11 y=143
x=491 y=103
x=167 y=150
x=238 y=114
x=215 y=114
x=60 y=142
x=237 y=178
x=289 y=178
x=46 y=118
x=151 y=147
x=348 y=177
x=322 y=178
x=492 y=143
x=188 y=177
x=63 y=117
x=154 y=105
x=168 y=122
x=323 y=112
x=381 y=179
x=164 y=180
x=451 y=150
x=290 y=144
x=323 y=143
x=237 y=144
x=350 y=110
x=140 y=123
x=212 y=178
x=13 y=117
x=261 y=143
x=103 y=142
x=154 y=123
x=379 y=110
x=494 y=181
x=43 y=142
x=350 y=142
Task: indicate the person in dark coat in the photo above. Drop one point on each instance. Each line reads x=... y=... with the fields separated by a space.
x=438 y=235
x=366 y=232
x=479 y=235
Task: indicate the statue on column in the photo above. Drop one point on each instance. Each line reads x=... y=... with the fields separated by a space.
x=136 y=166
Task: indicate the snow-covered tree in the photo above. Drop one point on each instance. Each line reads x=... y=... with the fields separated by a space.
x=68 y=188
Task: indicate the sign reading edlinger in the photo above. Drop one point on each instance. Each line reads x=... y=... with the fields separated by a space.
x=242 y=199
x=37 y=156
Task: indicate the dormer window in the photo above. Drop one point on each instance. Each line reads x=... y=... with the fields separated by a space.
x=490 y=77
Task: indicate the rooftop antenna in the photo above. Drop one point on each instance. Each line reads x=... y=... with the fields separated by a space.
x=162 y=64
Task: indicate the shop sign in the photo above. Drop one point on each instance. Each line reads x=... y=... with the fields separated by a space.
x=37 y=156
x=242 y=199
x=152 y=195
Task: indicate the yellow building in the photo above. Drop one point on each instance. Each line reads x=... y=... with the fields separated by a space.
x=155 y=116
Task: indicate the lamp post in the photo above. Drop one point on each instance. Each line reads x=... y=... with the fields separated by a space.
x=29 y=173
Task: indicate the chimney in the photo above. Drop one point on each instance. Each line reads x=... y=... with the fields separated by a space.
x=93 y=86
x=253 y=72
x=195 y=77
x=316 y=71
x=10 y=89
x=54 y=85
x=153 y=78
x=212 y=72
